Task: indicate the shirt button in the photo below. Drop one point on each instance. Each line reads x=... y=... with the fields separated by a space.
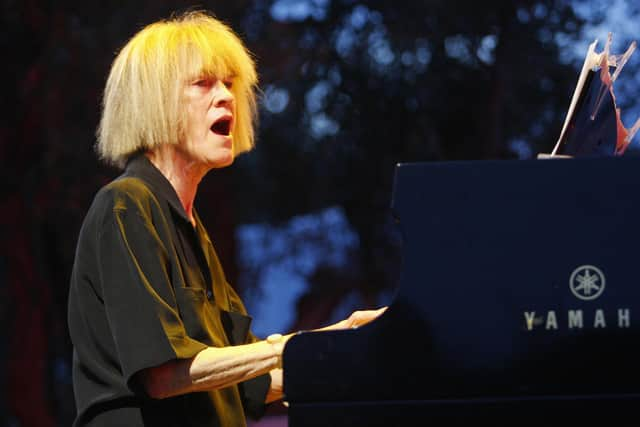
x=209 y=294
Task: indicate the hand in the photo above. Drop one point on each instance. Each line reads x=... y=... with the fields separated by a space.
x=361 y=317
x=355 y=320
x=275 y=390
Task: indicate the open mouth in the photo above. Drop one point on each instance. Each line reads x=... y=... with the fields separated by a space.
x=222 y=126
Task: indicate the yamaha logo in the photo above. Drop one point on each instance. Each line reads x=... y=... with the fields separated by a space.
x=587 y=282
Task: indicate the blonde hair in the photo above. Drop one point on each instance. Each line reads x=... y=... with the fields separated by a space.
x=141 y=106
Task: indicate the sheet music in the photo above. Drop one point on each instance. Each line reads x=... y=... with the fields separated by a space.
x=591 y=60
x=601 y=64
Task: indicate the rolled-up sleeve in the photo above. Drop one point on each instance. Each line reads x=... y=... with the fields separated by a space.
x=140 y=303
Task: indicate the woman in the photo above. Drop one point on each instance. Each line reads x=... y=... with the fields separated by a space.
x=160 y=338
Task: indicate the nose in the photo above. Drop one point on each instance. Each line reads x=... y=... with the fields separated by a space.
x=223 y=96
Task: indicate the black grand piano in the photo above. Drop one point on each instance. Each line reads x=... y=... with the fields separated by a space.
x=519 y=304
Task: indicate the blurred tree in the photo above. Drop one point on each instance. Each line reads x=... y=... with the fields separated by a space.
x=352 y=88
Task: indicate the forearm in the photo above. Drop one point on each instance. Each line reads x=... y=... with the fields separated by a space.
x=215 y=367
x=212 y=368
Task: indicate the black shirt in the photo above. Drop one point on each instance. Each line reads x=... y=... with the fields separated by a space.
x=146 y=288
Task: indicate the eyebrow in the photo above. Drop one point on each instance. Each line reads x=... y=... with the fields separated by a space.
x=202 y=74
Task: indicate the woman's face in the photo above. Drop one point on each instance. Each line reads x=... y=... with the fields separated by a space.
x=208 y=138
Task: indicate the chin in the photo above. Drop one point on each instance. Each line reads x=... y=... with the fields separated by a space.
x=222 y=162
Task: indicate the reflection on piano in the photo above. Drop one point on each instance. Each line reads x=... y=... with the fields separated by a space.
x=518 y=305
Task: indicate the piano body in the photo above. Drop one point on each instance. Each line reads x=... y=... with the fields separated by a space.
x=518 y=304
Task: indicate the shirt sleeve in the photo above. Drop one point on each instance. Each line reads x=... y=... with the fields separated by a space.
x=139 y=299
x=253 y=394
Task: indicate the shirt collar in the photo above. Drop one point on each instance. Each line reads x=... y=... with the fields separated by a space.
x=139 y=166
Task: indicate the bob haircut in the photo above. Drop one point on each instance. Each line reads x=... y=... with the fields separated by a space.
x=143 y=97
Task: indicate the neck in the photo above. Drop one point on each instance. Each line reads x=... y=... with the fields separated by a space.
x=184 y=175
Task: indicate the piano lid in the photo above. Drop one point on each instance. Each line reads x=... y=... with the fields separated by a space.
x=519 y=284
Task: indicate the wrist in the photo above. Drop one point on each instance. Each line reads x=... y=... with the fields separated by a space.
x=277 y=345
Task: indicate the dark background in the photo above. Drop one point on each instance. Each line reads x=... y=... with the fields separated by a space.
x=349 y=89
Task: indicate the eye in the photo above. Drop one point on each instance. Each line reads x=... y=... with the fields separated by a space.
x=202 y=83
x=228 y=83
